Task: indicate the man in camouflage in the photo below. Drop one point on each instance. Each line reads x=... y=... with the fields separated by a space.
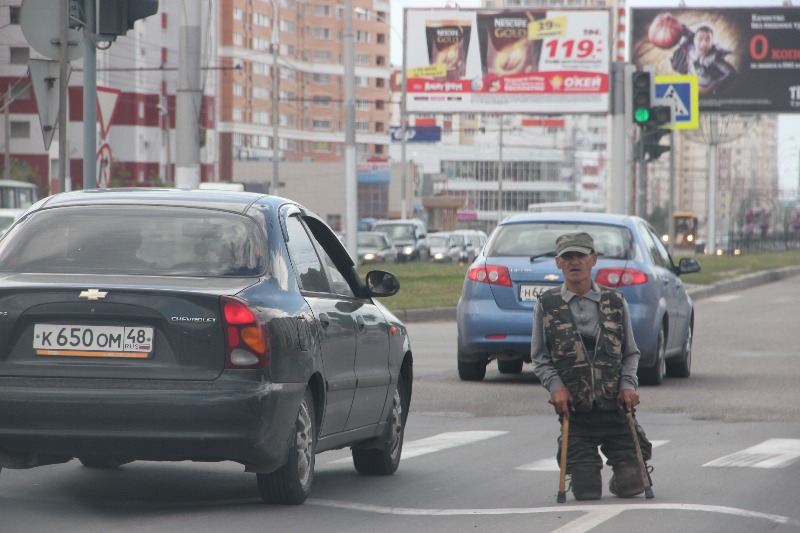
x=585 y=355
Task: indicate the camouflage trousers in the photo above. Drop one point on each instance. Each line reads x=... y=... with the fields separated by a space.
x=606 y=430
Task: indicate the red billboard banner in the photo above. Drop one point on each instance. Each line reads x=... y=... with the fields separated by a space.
x=745 y=59
x=530 y=61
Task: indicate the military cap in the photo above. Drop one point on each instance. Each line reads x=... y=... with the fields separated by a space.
x=574 y=242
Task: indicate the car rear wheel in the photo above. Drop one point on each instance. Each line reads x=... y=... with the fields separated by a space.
x=655 y=374
x=469 y=371
x=682 y=368
x=385 y=460
x=509 y=366
x=291 y=483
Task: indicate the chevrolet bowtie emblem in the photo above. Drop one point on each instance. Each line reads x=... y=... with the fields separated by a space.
x=92 y=294
x=551 y=277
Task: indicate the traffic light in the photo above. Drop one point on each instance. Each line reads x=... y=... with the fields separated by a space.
x=116 y=17
x=649 y=146
x=642 y=97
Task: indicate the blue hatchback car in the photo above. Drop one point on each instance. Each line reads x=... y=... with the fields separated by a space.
x=495 y=311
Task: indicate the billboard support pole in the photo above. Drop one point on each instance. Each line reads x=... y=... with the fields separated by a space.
x=403 y=119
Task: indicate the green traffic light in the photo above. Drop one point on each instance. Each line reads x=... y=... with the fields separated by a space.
x=641 y=115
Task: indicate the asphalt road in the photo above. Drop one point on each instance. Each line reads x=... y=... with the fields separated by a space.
x=480 y=456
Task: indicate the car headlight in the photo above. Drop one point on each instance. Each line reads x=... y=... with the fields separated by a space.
x=408 y=250
x=370 y=257
x=439 y=255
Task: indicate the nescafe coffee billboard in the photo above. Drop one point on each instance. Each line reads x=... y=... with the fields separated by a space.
x=529 y=61
x=745 y=59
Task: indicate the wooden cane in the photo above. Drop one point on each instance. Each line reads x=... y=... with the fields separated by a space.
x=648 y=490
x=562 y=481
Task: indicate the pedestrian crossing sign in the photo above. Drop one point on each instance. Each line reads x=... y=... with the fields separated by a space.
x=681 y=94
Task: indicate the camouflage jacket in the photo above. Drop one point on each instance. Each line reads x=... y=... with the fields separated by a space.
x=590 y=377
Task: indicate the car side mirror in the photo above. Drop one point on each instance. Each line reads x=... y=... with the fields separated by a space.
x=381 y=283
x=688 y=265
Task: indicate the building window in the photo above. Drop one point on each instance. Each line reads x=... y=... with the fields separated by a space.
x=379 y=83
x=238 y=40
x=322 y=101
x=322 y=33
x=379 y=127
x=237 y=13
x=362 y=81
x=322 y=124
x=324 y=147
x=362 y=105
x=260 y=19
x=20 y=55
x=237 y=114
x=322 y=11
x=13 y=15
x=322 y=79
x=287 y=26
x=362 y=126
x=362 y=59
x=363 y=37
x=238 y=90
x=261 y=93
x=322 y=56
x=380 y=61
x=381 y=38
x=20 y=130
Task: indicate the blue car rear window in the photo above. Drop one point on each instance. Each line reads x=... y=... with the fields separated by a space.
x=539 y=239
x=149 y=240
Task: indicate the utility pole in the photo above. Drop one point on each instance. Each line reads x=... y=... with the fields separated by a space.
x=404 y=119
x=63 y=112
x=188 y=99
x=276 y=145
x=89 y=97
x=7 y=135
x=351 y=191
x=500 y=175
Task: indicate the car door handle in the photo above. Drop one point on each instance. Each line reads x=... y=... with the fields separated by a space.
x=361 y=324
x=324 y=320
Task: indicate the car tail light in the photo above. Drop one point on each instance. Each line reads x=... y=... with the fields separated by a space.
x=620 y=277
x=247 y=340
x=493 y=275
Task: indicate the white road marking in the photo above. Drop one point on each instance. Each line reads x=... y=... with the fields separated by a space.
x=597 y=513
x=550 y=464
x=436 y=443
x=772 y=453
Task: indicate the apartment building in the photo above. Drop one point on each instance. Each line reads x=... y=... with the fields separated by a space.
x=305 y=42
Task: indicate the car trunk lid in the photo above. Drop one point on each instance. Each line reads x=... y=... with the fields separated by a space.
x=104 y=326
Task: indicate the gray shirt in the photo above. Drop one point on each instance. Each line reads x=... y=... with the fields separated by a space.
x=585 y=315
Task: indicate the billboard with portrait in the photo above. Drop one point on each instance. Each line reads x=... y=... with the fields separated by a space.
x=745 y=59
x=503 y=61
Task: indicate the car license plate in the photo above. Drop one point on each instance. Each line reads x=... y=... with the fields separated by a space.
x=93 y=341
x=531 y=293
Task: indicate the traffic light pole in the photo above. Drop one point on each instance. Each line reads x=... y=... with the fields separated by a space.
x=89 y=97
x=641 y=165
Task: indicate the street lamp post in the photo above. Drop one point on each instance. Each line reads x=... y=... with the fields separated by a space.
x=351 y=195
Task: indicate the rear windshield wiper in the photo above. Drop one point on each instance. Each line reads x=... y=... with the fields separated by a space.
x=551 y=253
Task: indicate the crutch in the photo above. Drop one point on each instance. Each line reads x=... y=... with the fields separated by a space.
x=648 y=490
x=562 y=480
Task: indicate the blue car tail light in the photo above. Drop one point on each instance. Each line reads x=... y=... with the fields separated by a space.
x=493 y=275
x=620 y=277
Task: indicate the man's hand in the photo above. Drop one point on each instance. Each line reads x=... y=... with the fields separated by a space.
x=627 y=399
x=561 y=399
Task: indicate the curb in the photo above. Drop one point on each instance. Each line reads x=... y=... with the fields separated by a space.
x=697 y=292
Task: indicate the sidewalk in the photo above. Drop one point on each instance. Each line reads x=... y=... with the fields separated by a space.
x=697 y=292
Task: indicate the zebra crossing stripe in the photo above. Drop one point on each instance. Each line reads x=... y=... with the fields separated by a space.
x=550 y=464
x=442 y=441
x=772 y=453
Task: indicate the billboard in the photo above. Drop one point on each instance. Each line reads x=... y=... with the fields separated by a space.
x=507 y=61
x=374 y=172
x=416 y=134
x=745 y=59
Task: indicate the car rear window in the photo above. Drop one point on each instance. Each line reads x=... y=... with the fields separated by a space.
x=135 y=240
x=534 y=239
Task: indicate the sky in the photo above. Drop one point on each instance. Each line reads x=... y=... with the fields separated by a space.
x=788 y=124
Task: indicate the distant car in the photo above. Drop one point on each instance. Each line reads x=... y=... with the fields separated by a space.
x=409 y=237
x=443 y=248
x=375 y=247
x=495 y=311
x=466 y=252
x=172 y=325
